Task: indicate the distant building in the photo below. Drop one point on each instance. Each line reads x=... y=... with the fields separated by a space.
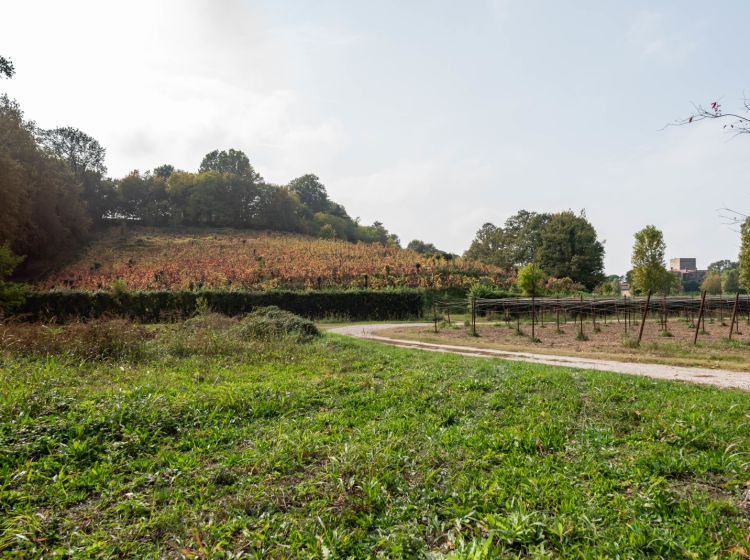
x=686 y=270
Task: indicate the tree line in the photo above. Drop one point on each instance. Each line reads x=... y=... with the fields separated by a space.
x=563 y=245
x=54 y=191
x=649 y=273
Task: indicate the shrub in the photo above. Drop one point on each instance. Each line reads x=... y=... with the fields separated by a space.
x=163 y=306
x=271 y=322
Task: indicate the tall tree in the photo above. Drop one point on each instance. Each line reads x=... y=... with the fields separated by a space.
x=42 y=216
x=649 y=268
x=230 y=161
x=730 y=281
x=82 y=152
x=10 y=293
x=712 y=284
x=84 y=155
x=744 y=265
x=722 y=265
x=311 y=192
x=568 y=247
x=511 y=246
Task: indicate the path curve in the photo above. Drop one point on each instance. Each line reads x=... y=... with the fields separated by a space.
x=718 y=377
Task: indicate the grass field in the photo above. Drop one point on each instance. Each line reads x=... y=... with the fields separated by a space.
x=337 y=448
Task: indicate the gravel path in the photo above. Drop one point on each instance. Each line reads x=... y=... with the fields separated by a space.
x=718 y=377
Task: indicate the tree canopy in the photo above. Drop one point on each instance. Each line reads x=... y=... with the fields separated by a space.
x=531 y=280
x=42 y=213
x=6 y=67
x=563 y=244
x=744 y=261
x=649 y=268
x=568 y=247
x=54 y=188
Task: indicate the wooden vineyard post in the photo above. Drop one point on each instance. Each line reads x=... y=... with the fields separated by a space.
x=643 y=319
x=700 y=316
x=625 y=312
x=734 y=314
x=558 y=317
x=473 y=315
x=664 y=310
x=434 y=314
x=593 y=315
x=533 y=318
x=366 y=281
x=448 y=311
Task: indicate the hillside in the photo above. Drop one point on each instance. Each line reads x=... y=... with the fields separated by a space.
x=158 y=259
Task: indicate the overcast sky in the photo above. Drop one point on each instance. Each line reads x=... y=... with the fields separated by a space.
x=432 y=117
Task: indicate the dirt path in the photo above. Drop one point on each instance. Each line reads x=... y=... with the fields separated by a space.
x=718 y=377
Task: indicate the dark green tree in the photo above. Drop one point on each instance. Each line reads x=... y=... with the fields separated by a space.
x=423 y=248
x=311 y=193
x=11 y=294
x=42 y=214
x=230 y=161
x=722 y=265
x=568 y=247
x=510 y=246
x=164 y=171
x=6 y=67
x=730 y=281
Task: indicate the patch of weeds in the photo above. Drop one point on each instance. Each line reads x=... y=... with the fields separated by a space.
x=629 y=342
x=581 y=336
x=666 y=333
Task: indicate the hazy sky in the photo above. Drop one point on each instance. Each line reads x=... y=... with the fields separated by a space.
x=433 y=117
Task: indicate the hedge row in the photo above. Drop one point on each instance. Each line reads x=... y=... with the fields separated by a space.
x=164 y=306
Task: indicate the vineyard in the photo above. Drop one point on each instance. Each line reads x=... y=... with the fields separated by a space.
x=152 y=259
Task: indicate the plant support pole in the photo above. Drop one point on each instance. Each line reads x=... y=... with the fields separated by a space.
x=700 y=316
x=643 y=319
x=473 y=315
x=734 y=314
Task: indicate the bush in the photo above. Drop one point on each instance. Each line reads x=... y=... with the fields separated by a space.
x=271 y=322
x=163 y=306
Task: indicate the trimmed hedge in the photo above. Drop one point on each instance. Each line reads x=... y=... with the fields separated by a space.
x=362 y=305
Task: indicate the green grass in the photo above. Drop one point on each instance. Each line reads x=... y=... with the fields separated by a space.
x=341 y=448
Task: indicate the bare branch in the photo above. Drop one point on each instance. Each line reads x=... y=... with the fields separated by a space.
x=738 y=122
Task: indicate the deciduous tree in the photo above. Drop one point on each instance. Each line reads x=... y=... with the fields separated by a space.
x=6 y=67
x=712 y=283
x=531 y=280
x=649 y=269
x=744 y=264
x=568 y=246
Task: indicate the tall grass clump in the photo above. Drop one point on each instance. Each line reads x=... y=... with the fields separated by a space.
x=268 y=323
x=99 y=339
